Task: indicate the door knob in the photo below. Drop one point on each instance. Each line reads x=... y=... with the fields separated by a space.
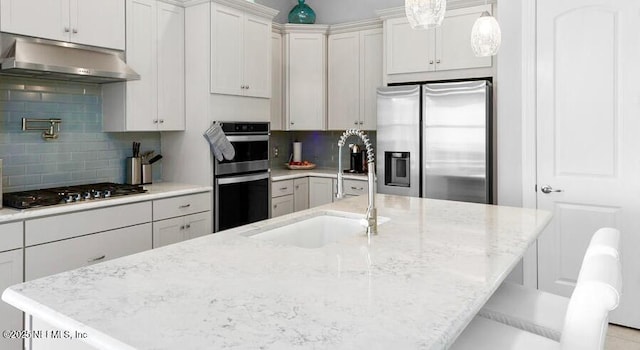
x=548 y=189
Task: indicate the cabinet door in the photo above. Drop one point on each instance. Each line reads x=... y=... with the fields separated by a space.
x=256 y=56
x=281 y=206
x=370 y=76
x=198 y=225
x=408 y=50
x=277 y=116
x=43 y=19
x=10 y=274
x=453 y=40
x=98 y=23
x=142 y=95
x=226 y=50
x=170 y=67
x=169 y=231
x=48 y=259
x=344 y=81
x=306 y=81
x=301 y=194
x=320 y=191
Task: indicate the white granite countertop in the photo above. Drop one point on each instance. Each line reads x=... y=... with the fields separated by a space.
x=278 y=174
x=415 y=285
x=155 y=191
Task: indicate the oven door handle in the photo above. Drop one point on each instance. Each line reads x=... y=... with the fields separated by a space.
x=247 y=138
x=241 y=178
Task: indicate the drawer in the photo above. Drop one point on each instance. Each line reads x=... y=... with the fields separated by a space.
x=281 y=206
x=281 y=188
x=183 y=205
x=11 y=236
x=355 y=187
x=54 y=228
x=48 y=259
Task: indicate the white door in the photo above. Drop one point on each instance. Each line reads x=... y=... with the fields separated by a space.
x=588 y=145
x=320 y=191
x=10 y=274
x=408 y=50
x=371 y=52
x=98 y=23
x=226 y=50
x=43 y=19
x=170 y=67
x=453 y=40
x=301 y=194
x=344 y=81
x=257 y=56
x=277 y=117
x=198 y=225
x=142 y=95
x=168 y=231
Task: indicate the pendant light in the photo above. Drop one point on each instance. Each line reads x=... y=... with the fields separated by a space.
x=425 y=14
x=485 y=35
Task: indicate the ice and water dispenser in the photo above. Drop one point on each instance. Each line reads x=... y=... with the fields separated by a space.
x=397 y=166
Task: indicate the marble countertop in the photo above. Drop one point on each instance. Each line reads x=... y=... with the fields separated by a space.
x=155 y=191
x=278 y=174
x=415 y=285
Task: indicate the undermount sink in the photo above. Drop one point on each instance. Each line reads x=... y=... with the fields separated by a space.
x=318 y=231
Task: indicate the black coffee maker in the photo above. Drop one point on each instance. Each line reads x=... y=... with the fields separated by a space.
x=357 y=159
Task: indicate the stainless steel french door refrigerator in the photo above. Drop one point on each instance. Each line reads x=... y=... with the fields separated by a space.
x=435 y=141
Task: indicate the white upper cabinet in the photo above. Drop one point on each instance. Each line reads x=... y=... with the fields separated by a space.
x=277 y=115
x=155 y=50
x=240 y=52
x=89 y=22
x=355 y=72
x=305 y=77
x=447 y=47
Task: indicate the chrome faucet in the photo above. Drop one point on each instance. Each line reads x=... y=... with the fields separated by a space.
x=371 y=215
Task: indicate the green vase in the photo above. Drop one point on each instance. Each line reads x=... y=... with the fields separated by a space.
x=302 y=14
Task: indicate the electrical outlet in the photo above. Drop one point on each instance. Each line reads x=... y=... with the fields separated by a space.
x=276 y=151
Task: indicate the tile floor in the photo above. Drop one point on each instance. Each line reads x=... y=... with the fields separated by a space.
x=622 y=338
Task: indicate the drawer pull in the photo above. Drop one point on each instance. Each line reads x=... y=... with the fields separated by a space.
x=357 y=189
x=275 y=206
x=284 y=188
x=187 y=226
x=184 y=206
x=96 y=259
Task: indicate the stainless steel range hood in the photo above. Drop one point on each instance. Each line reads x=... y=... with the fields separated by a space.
x=47 y=59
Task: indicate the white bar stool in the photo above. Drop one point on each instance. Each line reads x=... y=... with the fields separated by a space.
x=586 y=321
x=540 y=312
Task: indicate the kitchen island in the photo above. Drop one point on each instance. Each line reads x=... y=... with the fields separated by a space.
x=415 y=285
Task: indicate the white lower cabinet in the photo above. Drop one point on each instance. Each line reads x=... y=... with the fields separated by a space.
x=301 y=194
x=50 y=258
x=182 y=228
x=355 y=187
x=282 y=205
x=11 y=267
x=320 y=191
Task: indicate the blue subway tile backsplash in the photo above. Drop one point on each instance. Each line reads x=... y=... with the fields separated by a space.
x=83 y=153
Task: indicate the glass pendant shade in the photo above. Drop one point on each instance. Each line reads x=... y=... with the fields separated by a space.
x=302 y=14
x=425 y=14
x=486 y=36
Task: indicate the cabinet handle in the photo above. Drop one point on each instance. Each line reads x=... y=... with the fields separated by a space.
x=66 y=29
x=292 y=123
x=361 y=123
x=96 y=259
x=275 y=206
x=430 y=61
x=297 y=187
x=437 y=61
x=355 y=123
x=182 y=227
x=184 y=206
x=75 y=31
x=283 y=188
x=358 y=189
x=155 y=121
x=247 y=87
x=161 y=121
x=187 y=226
x=242 y=86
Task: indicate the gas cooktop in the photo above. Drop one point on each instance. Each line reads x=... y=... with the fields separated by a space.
x=69 y=194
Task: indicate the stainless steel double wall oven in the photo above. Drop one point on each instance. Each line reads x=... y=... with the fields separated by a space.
x=242 y=186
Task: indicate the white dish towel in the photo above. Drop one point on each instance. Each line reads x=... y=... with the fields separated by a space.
x=220 y=145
